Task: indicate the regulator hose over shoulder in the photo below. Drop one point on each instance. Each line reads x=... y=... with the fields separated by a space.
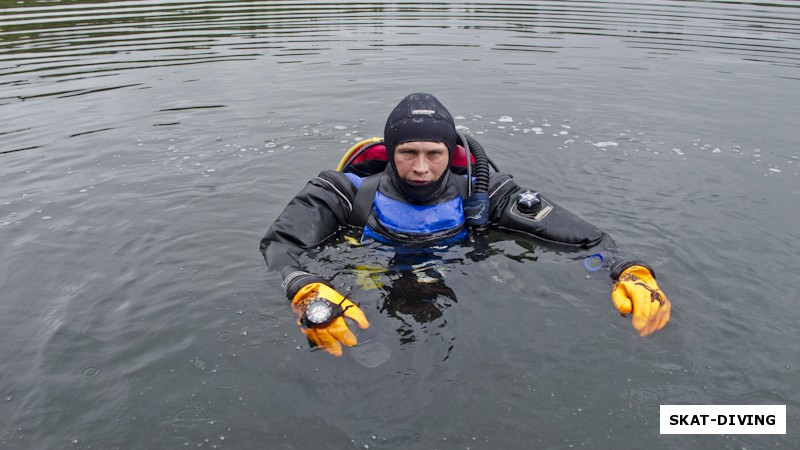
x=476 y=206
x=481 y=173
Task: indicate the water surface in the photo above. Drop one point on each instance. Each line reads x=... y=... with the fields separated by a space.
x=146 y=146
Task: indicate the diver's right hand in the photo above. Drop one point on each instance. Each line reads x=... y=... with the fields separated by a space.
x=333 y=333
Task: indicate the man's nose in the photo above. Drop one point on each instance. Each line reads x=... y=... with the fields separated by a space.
x=420 y=164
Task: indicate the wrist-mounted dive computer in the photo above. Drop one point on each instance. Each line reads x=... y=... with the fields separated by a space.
x=320 y=312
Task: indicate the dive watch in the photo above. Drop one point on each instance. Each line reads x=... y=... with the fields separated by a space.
x=320 y=312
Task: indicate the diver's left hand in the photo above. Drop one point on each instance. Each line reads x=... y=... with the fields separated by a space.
x=637 y=292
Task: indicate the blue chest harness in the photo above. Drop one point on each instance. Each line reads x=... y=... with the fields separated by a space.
x=414 y=223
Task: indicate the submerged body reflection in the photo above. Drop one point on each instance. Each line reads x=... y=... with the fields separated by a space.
x=418 y=295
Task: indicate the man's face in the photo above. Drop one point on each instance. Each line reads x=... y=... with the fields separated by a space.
x=421 y=162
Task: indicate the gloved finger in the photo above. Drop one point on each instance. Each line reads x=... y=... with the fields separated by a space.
x=644 y=309
x=619 y=295
x=644 y=316
x=328 y=342
x=322 y=338
x=341 y=332
x=352 y=311
x=650 y=326
x=658 y=317
x=649 y=315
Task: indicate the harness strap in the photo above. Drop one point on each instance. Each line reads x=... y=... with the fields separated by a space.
x=362 y=204
x=463 y=186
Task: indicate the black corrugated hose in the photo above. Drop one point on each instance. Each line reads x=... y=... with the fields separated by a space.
x=476 y=206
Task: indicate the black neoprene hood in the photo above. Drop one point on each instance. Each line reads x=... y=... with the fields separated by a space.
x=419 y=117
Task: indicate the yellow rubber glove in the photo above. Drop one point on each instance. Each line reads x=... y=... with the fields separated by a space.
x=637 y=292
x=334 y=334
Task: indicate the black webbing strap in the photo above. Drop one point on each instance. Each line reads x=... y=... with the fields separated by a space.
x=362 y=204
x=463 y=186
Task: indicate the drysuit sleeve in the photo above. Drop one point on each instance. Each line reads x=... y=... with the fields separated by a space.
x=313 y=216
x=554 y=225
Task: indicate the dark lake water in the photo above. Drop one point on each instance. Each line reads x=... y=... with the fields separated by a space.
x=146 y=146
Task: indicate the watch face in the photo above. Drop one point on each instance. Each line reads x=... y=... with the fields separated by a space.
x=319 y=311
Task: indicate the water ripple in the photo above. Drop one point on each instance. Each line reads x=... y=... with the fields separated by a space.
x=90 y=371
x=226 y=379
x=84 y=32
x=178 y=428
x=185 y=297
x=165 y=135
x=6 y=435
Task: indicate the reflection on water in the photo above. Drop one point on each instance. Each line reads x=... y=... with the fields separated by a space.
x=71 y=40
x=145 y=146
x=63 y=50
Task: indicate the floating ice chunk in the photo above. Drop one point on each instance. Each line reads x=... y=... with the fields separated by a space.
x=462 y=128
x=716 y=150
x=677 y=151
x=605 y=144
x=772 y=169
x=505 y=119
x=339 y=127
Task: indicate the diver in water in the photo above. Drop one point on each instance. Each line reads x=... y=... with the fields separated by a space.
x=430 y=188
